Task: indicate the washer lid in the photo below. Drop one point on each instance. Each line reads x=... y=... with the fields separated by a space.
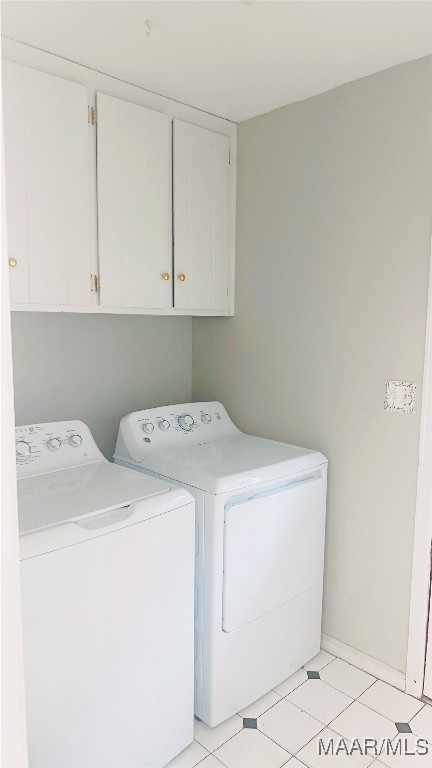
x=240 y=461
x=77 y=492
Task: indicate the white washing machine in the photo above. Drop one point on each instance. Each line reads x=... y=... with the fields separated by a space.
x=107 y=601
x=260 y=509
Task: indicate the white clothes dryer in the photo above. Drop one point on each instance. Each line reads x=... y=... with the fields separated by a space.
x=260 y=509
x=107 y=604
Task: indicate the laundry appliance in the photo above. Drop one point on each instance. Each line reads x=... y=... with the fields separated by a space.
x=260 y=530
x=107 y=605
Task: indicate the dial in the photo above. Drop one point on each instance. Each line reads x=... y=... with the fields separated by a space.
x=54 y=444
x=75 y=440
x=148 y=427
x=206 y=418
x=164 y=424
x=22 y=449
x=186 y=422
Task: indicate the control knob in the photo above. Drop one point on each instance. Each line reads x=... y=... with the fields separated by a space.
x=148 y=427
x=22 y=449
x=75 y=440
x=186 y=422
x=54 y=444
x=206 y=418
x=164 y=424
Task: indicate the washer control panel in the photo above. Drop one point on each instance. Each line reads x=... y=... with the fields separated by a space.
x=43 y=448
x=144 y=432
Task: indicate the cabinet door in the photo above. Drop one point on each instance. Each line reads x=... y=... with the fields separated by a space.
x=47 y=187
x=201 y=218
x=134 y=204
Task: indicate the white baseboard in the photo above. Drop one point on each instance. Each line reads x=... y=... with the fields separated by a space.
x=363 y=661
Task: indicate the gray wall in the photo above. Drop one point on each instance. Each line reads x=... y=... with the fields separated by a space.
x=333 y=241
x=97 y=368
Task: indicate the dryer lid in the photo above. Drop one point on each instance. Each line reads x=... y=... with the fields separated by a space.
x=77 y=492
x=232 y=463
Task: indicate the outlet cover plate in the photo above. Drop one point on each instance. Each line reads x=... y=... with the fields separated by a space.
x=400 y=396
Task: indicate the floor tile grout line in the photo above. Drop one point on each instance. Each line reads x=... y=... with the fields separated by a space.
x=323 y=729
x=369 y=674
x=290 y=754
x=293 y=754
x=326 y=725
x=211 y=752
x=205 y=758
x=380 y=680
x=294 y=689
x=335 y=658
x=265 y=710
x=271 y=706
x=294 y=705
x=329 y=684
x=345 y=738
x=398 y=690
x=310 y=740
x=341 y=736
x=417 y=713
x=372 y=710
x=355 y=698
x=376 y=680
x=335 y=718
x=324 y=665
x=264 y=734
x=224 y=742
x=316 y=736
x=368 y=706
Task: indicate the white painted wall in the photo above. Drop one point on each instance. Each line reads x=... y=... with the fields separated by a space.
x=97 y=368
x=333 y=240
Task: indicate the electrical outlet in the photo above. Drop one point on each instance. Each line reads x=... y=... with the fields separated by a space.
x=400 y=396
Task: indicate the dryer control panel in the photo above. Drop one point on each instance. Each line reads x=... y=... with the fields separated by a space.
x=147 y=431
x=56 y=445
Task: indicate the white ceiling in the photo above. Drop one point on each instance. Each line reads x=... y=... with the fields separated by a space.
x=234 y=59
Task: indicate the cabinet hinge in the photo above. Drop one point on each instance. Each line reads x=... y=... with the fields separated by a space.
x=94 y=283
x=91 y=115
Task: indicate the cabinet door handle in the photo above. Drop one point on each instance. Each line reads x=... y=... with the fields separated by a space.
x=165 y=276
x=181 y=277
x=13 y=262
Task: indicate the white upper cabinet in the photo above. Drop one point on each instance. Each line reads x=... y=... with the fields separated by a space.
x=47 y=187
x=131 y=212
x=134 y=205
x=202 y=239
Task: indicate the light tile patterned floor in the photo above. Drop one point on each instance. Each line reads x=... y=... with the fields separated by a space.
x=326 y=699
